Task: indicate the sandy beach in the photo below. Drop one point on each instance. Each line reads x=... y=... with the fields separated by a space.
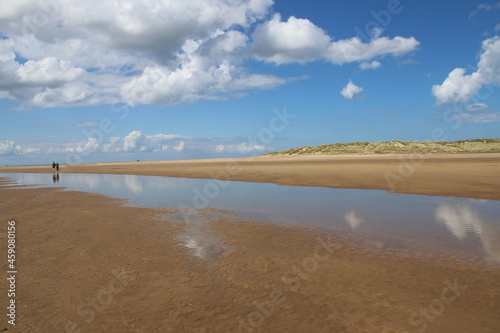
x=464 y=175
x=87 y=263
x=249 y=166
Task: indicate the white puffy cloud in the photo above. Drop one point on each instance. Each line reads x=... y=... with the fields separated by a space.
x=84 y=124
x=7 y=147
x=478 y=116
x=76 y=52
x=369 y=65
x=242 y=148
x=484 y=7
x=139 y=25
x=180 y=146
x=484 y=117
x=353 y=49
x=477 y=106
x=350 y=90
x=460 y=87
x=135 y=143
x=94 y=52
x=193 y=81
x=48 y=71
x=299 y=40
x=10 y=148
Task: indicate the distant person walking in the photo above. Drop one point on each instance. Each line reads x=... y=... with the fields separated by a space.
x=57 y=167
x=53 y=166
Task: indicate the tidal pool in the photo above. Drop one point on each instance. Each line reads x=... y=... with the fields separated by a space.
x=388 y=222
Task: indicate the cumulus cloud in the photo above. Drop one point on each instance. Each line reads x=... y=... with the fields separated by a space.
x=353 y=49
x=98 y=52
x=369 y=65
x=350 y=90
x=196 y=80
x=460 y=87
x=296 y=40
x=477 y=106
x=478 y=117
x=10 y=148
x=84 y=124
x=299 y=40
x=484 y=117
x=135 y=143
x=82 y=52
x=48 y=71
x=484 y=7
x=92 y=52
x=241 y=148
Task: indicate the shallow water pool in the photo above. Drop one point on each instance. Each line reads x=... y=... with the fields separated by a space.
x=409 y=224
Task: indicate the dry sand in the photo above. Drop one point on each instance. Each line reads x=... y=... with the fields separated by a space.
x=471 y=175
x=86 y=263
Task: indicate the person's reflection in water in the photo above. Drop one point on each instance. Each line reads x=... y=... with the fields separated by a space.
x=55 y=178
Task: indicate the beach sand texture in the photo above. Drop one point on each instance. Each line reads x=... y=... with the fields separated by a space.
x=86 y=263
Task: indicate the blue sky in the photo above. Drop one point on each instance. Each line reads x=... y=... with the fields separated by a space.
x=232 y=78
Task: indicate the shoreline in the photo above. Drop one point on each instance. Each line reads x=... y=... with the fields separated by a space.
x=101 y=266
x=468 y=175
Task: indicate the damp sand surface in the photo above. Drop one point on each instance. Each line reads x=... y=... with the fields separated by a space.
x=87 y=262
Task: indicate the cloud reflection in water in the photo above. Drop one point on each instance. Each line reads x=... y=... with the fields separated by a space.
x=354 y=218
x=461 y=218
x=198 y=237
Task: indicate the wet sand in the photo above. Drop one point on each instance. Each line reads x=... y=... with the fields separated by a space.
x=464 y=175
x=86 y=263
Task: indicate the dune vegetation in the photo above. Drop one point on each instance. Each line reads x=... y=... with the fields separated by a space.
x=397 y=147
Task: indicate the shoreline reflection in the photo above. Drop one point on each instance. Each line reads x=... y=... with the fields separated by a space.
x=390 y=221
